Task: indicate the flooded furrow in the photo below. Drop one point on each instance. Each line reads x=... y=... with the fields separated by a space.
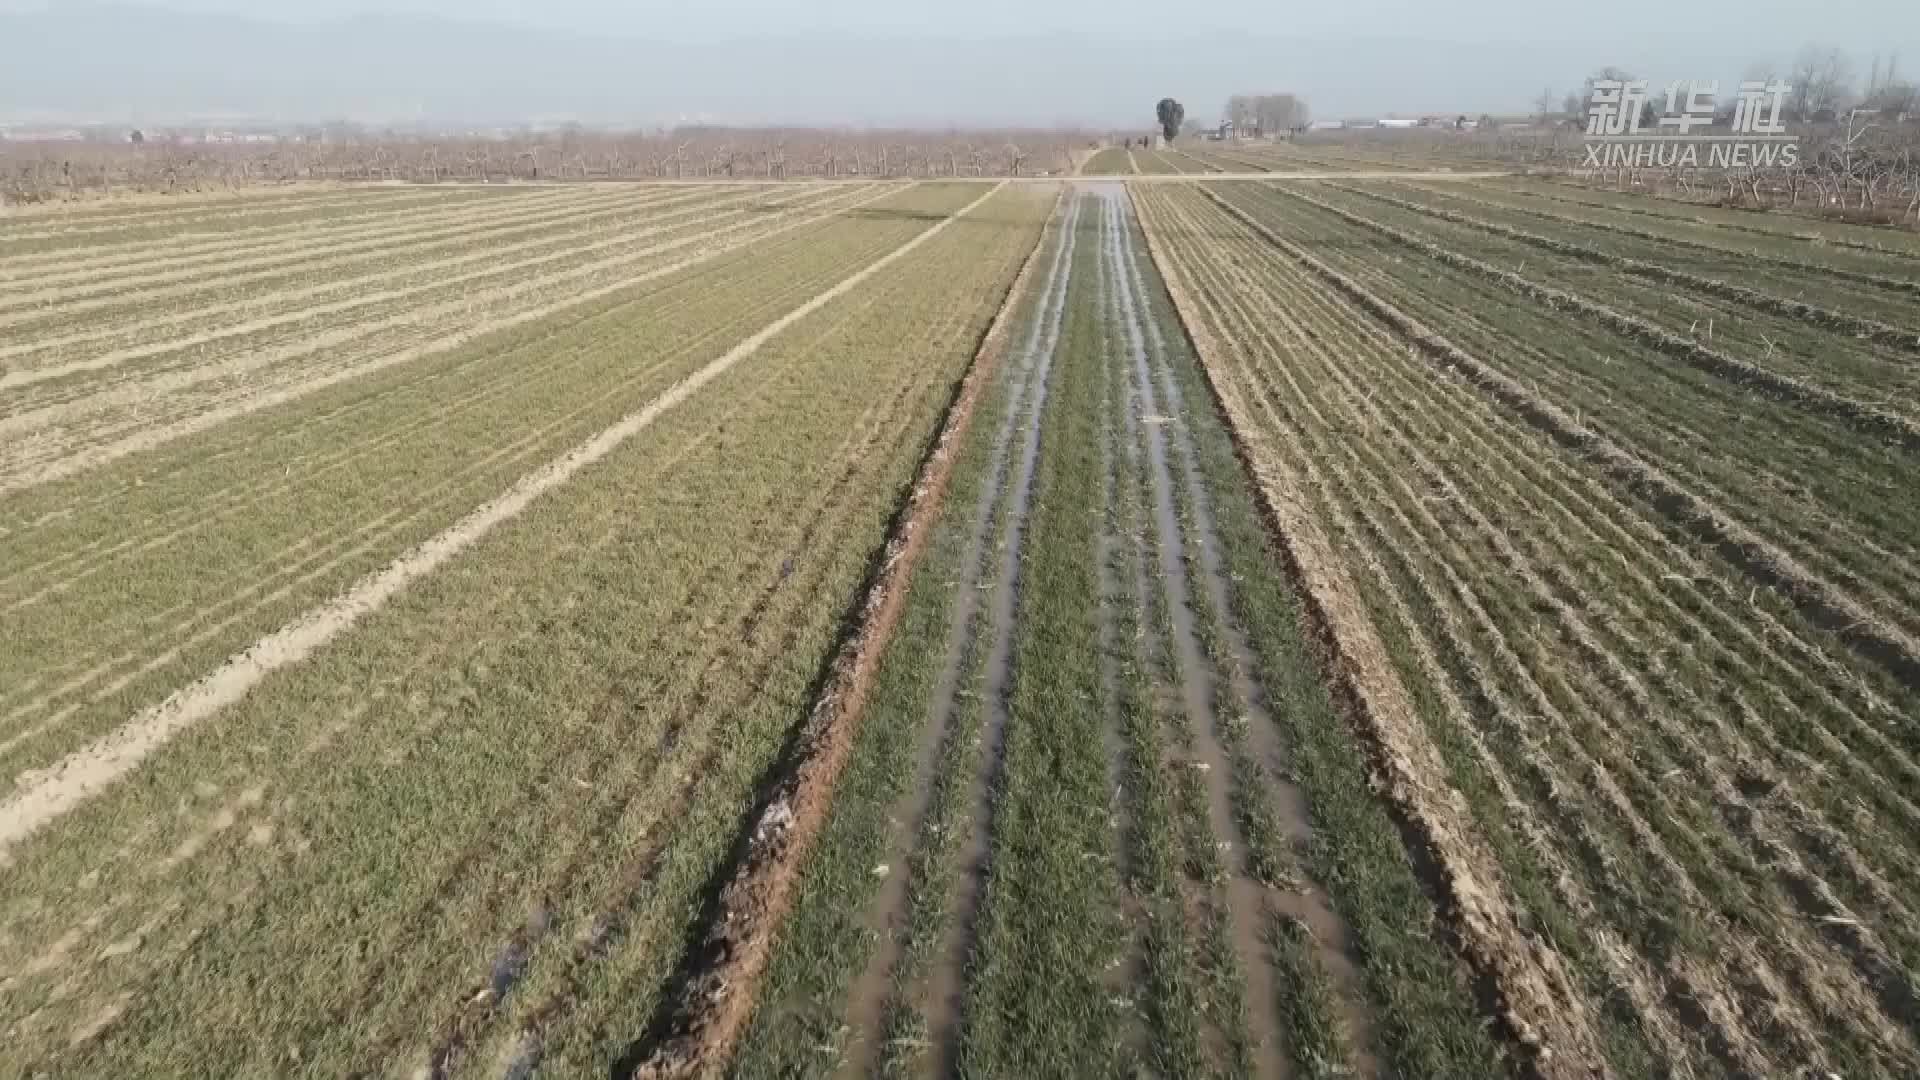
x=1306 y=901
x=946 y=983
x=1246 y=896
x=867 y=1000
x=1112 y=556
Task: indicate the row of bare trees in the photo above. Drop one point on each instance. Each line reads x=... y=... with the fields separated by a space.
x=1822 y=84
x=1864 y=166
x=1266 y=114
x=1854 y=169
x=39 y=171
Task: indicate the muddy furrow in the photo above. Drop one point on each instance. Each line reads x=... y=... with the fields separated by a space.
x=871 y=993
x=945 y=996
x=1126 y=980
x=1302 y=898
x=1247 y=897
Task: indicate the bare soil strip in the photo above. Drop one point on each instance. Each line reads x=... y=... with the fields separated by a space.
x=90 y=770
x=1542 y=1006
x=867 y=999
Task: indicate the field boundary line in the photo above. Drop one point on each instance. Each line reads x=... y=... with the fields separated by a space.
x=97 y=454
x=1826 y=318
x=1540 y=1009
x=1712 y=361
x=1865 y=277
x=717 y=994
x=441 y=273
x=1488 y=196
x=1822 y=602
x=49 y=794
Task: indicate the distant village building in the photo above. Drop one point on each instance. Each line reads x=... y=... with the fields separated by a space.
x=1327 y=125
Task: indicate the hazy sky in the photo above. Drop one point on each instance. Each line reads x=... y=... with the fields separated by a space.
x=1764 y=25
x=963 y=62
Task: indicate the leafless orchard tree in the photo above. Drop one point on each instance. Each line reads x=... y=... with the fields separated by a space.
x=44 y=171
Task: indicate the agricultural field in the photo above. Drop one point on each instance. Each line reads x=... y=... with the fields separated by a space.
x=1611 y=528
x=1386 y=624
x=1110 y=161
x=1103 y=817
x=404 y=596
